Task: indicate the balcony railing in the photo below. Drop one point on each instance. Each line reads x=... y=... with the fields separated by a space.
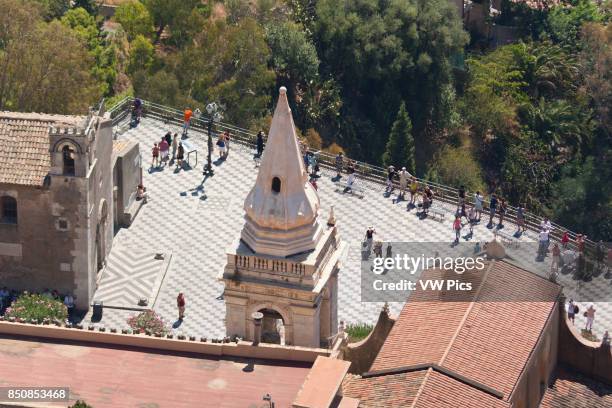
x=374 y=176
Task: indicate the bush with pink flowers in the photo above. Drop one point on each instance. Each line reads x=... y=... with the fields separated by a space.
x=36 y=307
x=148 y=321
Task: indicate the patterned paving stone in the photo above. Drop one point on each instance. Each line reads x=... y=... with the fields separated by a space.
x=198 y=230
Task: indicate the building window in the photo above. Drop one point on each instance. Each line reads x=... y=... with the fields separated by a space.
x=276 y=185
x=62 y=224
x=9 y=210
x=68 y=157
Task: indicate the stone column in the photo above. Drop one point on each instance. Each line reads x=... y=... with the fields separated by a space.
x=257 y=317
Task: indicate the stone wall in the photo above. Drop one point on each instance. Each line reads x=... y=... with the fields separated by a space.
x=583 y=355
x=538 y=370
x=362 y=354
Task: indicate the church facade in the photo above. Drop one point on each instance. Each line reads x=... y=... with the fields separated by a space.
x=56 y=201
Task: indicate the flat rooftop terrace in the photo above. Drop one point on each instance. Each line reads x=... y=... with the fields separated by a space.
x=128 y=377
x=193 y=220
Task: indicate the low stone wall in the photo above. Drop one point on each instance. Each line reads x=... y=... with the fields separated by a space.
x=585 y=356
x=362 y=354
x=232 y=349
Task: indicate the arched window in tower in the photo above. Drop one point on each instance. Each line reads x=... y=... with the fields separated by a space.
x=68 y=159
x=276 y=185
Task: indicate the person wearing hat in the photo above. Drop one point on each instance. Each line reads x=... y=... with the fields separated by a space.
x=403 y=182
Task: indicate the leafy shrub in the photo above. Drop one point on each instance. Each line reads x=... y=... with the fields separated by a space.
x=358 y=331
x=148 y=321
x=36 y=307
x=80 y=404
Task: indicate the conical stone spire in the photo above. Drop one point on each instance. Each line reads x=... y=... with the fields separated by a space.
x=282 y=207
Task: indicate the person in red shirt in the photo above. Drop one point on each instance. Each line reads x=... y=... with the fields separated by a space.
x=187 y=120
x=565 y=240
x=155 y=152
x=180 y=303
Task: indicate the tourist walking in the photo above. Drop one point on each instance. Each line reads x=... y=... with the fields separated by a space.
x=492 y=210
x=180 y=154
x=378 y=249
x=155 y=153
x=472 y=219
x=168 y=138
x=461 y=195
x=390 y=176
x=226 y=139
x=69 y=303
x=186 y=120
x=349 y=182
x=180 y=303
x=556 y=259
x=457 y=228
x=478 y=204
x=403 y=182
x=572 y=309
x=369 y=237
x=501 y=212
x=605 y=341
x=414 y=187
x=164 y=149
x=520 y=219
x=590 y=317
x=565 y=240
x=175 y=143
x=260 y=143
x=339 y=165
x=221 y=145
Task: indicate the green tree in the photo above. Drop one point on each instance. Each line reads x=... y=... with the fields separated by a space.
x=565 y=22
x=400 y=146
x=100 y=49
x=456 y=167
x=385 y=52
x=169 y=12
x=135 y=19
x=141 y=54
x=54 y=8
x=294 y=56
x=46 y=68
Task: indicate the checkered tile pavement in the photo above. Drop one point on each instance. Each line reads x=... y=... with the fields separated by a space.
x=197 y=219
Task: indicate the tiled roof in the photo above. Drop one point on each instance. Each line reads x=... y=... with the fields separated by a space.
x=24 y=145
x=487 y=340
x=417 y=389
x=569 y=390
x=393 y=390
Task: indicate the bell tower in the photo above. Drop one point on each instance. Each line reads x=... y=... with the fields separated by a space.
x=285 y=263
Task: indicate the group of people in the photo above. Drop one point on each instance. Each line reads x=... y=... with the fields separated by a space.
x=161 y=151
x=589 y=314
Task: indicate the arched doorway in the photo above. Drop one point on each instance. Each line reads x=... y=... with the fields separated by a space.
x=272 y=327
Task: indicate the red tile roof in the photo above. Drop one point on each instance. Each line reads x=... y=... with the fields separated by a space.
x=24 y=140
x=393 y=390
x=483 y=337
x=569 y=390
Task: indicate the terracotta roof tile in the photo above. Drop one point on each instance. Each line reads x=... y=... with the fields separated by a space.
x=488 y=340
x=395 y=390
x=569 y=390
x=24 y=145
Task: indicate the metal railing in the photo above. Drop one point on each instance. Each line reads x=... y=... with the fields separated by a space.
x=376 y=176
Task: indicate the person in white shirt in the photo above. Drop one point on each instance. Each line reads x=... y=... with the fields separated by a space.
x=69 y=303
x=478 y=199
x=403 y=182
x=349 y=182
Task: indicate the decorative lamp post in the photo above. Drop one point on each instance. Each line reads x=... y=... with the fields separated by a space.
x=214 y=115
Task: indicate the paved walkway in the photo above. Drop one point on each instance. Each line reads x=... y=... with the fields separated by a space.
x=111 y=377
x=198 y=219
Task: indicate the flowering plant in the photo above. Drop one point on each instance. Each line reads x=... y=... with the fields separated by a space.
x=148 y=321
x=36 y=307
